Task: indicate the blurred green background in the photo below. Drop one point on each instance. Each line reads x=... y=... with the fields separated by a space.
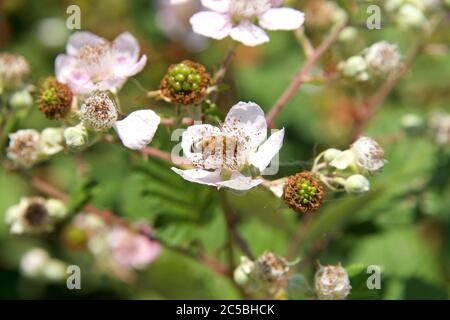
x=402 y=224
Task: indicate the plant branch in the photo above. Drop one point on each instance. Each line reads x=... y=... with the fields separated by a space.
x=303 y=73
x=230 y=219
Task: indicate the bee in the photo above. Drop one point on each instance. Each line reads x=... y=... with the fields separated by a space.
x=223 y=148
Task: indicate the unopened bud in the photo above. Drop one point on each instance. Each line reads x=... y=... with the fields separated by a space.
x=56 y=208
x=76 y=137
x=409 y=16
x=51 y=142
x=21 y=100
x=331 y=154
x=413 y=124
x=243 y=272
x=357 y=184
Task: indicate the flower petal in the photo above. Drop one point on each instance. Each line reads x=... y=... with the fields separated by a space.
x=249 y=34
x=281 y=19
x=137 y=130
x=127 y=68
x=192 y=136
x=240 y=182
x=343 y=160
x=125 y=44
x=80 y=39
x=211 y=24
x=210 y=178
x=247 y=119
x=267 y=150
x=220 y=6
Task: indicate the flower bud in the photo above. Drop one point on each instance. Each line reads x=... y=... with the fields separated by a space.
x=21 y=100
x=76 y=137
x=56 y=208
x=185 y=83
x=357 y=184
x=303 y=193
x=409 y=16
x=354 y=67
x=33 y=262
x=331 y=154
x=332 y=283
x=55 y=99
x=99 y=112
x=52 y=141
x=55 y=270
x=439 y=124
x=270 y=267
x=413 y=124
x=24 y=148
x=348 y=35
x=242 y=274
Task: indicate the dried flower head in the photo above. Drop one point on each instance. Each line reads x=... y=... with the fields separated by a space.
x=55 y=99
x=13 y=70
x=271 y=267
x=303 y=192
x=99 y=111
x=24 y=147
x=383 y=58
x=369 y=156
x=185 y=83
x=35 y=215
x=30 y=215
x=332 y=283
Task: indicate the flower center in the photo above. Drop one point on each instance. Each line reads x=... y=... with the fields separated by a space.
x=35 y=214
x=96 y=59
x=220 y=151
x=246 y=9
x=183 y=78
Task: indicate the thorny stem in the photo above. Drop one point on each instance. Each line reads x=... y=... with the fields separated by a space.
x=303 y=73
x=220 y=74
x=230 y=219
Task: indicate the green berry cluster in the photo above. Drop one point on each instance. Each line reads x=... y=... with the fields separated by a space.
x=183 y=78
x=305 y=191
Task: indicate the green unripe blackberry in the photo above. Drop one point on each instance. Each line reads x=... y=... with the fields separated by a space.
x=303 y=192
x=185 y=83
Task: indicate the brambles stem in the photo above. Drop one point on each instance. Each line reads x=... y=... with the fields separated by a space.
x=303 y=73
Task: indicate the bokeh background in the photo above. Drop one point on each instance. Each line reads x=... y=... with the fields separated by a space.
x=402 y=224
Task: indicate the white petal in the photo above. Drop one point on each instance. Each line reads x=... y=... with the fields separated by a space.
x=64 y=65
x=267 y=150
x=211 y=24
x=220 y=6
x=281 y=19
x=249 y=34
x=127 y=68
x=137 y=130
x=247 y=119
x=80 y=39
x=111 y=83
x=343 y=160
x=210 y=178
x=126 y=44
x=193 y=135
x=240 y=182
